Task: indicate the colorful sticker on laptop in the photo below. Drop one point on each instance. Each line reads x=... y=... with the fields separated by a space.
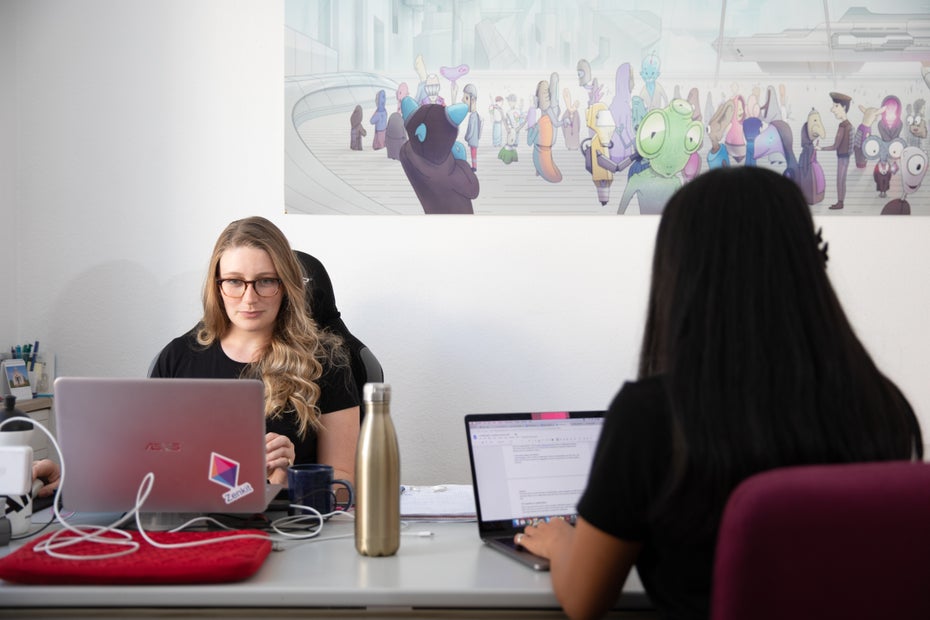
x=225 y=472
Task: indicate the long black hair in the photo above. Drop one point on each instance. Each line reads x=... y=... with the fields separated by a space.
x=763 y=368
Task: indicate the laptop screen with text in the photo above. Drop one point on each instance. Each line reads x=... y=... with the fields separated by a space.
x=530 y=465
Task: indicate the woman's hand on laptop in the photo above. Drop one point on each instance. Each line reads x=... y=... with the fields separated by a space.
x=279 y=455
x=546 y=539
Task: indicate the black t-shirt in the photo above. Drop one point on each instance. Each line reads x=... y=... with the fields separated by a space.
x=183 y=357
x=630 y=467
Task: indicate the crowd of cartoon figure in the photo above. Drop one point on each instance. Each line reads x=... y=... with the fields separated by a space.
x=653 y=139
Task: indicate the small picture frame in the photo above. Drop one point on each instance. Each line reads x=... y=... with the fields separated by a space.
x=16 y=379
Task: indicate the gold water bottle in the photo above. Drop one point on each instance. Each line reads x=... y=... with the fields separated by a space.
x=377 y=476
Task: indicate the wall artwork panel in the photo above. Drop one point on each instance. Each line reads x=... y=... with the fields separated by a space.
x=578 y=107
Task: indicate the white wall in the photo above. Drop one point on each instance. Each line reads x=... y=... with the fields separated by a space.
x=8 y=229
x=144 y=127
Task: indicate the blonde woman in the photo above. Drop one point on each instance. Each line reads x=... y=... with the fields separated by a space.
x=256 y=324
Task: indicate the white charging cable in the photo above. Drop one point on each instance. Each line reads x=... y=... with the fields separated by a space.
x=112 y=536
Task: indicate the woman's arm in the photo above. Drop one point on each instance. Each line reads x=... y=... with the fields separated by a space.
x=588 y=566
x=337 y=440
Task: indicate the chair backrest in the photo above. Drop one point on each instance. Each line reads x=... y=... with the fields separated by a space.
x=826 y=541
x=322 y=300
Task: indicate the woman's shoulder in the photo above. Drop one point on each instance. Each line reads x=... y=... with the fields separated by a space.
x=184 y=343
x=639 y=404
x=651 y=390
x=183 y=355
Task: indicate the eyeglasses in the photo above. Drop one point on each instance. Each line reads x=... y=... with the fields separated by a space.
x=263 y=287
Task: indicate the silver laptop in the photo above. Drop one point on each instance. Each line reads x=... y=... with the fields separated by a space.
x=526 y=467
x=203 y=439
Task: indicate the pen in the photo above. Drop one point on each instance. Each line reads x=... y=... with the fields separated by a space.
x=18 y=354
x=32 y=360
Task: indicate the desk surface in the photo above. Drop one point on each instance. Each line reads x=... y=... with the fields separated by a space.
x=450 y=570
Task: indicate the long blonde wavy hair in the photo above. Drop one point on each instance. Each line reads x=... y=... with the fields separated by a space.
x=293 y=361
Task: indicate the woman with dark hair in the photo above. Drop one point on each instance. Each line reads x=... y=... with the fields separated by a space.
x=256 y=324
x=748 y=363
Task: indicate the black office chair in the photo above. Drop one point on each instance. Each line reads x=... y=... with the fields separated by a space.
x=322 y=301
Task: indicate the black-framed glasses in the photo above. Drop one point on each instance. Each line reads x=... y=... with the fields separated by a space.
x=263 y=287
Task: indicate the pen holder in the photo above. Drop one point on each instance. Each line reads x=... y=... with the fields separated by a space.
x=38 y=378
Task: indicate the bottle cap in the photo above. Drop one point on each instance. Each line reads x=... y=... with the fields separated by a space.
x=10 y=411
x=376 y=393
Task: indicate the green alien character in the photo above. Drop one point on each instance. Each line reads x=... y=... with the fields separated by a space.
x=666 y=139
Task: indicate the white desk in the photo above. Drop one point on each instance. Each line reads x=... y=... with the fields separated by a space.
x=451 y=574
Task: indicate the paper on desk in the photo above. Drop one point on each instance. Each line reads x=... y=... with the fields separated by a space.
x=440 y=502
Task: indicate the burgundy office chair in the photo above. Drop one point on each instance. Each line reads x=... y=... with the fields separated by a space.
x=826 y=541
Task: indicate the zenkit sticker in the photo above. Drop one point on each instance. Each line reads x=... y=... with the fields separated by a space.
x=225 y=472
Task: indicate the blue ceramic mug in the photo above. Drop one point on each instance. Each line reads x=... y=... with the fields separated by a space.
x=311 y=484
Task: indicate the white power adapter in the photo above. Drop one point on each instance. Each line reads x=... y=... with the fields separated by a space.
x=15 y=470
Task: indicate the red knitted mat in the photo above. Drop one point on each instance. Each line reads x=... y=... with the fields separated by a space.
x=217 y=562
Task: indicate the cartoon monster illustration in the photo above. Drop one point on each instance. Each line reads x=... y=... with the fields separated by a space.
x=431 y=90
x=753 y=104
x=718 y=156
x=735 y=139
x=784 y=103
x=638 y=109
x=890 y=122
x=513 y=123
x=454 y=74
x=917 y=124
x=402 y=91
x=913 y=170
x=770 y=110
x=775 y=144
x=357 y=132
x=587 y=81
x=596 y=150
x=694 y=98
x=622 y=142
x=709 y=108
x=395 y=135
x=420 y=67
x=554 y=111
x=666 y=139
x=571 y=122
x=752 y=127
x=442 y=182
x=473 y=129
x=379 y=119
x=888 y=153
x=652 y=93
x=496 y=110
x=869 y=116
x=542 y=136
x=810 y=173
x=693 y=167
x=842 y=144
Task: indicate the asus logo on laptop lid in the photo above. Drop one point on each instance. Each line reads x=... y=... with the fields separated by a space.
x=163 y=446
